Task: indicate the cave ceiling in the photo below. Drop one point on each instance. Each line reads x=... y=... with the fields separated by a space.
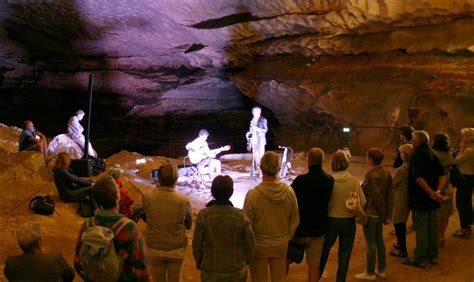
x=316 y=65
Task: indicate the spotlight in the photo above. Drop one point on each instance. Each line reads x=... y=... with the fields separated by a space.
x=346 y=131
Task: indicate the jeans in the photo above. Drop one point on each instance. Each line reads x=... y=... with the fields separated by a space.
x=237 y=276
x=344 y=229
x=373 y=233
x=265 y=257
x=163 y=269
x=464 y=202
x=401 y=232
x=76 y=194
x=426 y=235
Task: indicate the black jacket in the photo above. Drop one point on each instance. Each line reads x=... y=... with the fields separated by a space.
x=66 y=182
x=313 y=192
x=426 y=165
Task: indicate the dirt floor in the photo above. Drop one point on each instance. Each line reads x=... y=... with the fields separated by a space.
x=456 y=260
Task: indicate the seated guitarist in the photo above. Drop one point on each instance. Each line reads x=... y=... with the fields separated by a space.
x=200 y=154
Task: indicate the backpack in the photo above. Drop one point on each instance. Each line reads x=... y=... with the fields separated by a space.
x=86 y=208
x=98 y=166
x=97 y=255
x=42 y=205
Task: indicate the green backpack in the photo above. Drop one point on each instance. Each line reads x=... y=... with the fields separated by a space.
x=97 y=255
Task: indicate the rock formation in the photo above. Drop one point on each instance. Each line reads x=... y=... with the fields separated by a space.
x=163 y=67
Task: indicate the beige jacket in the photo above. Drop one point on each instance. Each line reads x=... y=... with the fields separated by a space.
x=344 y=184
x=465 y=160
x=273 y=213
x=168 y=215
x=401 y=210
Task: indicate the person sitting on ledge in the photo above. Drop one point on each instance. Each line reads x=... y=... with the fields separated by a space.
x=34 y=264
x=32 y=140
x=75 y=132
x=127 y=206
x=71 y=188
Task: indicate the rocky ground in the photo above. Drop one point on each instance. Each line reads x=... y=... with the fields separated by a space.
x=25 y=174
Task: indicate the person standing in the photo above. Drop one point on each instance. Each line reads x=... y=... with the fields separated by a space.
x=34 y=264
x=273 y=213
x=76 y=132
x=401 y=210
x=426 y=177
x=168 y=215
x=313 y=191
x=32 y=140
x=223 y=241
x=258 y=130
x=342 y=224
x=406 y=135
x=377 y=187
x=465 y=161
x=442 y=148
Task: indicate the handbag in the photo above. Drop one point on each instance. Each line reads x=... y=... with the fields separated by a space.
x=42 y=205
x=295 y=251
x=456 y=176
x=354 y=207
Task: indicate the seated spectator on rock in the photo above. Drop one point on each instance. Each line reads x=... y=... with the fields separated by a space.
x=127 y=206
x=169 y=215
x=34 y=264
x=377 y=187
x=128 y=242
x=71 y=188
x=342 y=224
x=313 y=191
x=401 y=210
x=75 y=131
x=272 y=209
x=223 y=241
x=32 y=140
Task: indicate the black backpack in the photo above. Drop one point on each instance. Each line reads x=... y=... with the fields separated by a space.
x=86 y=208
x=42 y=205
x=98 y=166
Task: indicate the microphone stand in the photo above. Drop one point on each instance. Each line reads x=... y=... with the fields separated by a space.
x=88 y=127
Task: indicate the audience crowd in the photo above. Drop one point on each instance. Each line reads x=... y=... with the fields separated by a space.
x=312 y=213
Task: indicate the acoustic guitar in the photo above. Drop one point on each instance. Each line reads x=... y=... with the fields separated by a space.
x=195 y=156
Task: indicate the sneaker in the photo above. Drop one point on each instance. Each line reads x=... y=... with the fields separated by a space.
x=381 y=274
x=463 y=233
x=366 y=276
x=433 y=261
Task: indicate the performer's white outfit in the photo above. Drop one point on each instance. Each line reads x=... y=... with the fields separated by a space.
x=258 y=128
x=200 y=147
x=75 y=131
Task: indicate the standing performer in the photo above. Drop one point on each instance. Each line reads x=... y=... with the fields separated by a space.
x=75 y=131
x=256 y=137
x=200 y=154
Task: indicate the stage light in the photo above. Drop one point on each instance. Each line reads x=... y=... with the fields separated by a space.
x=346 y=129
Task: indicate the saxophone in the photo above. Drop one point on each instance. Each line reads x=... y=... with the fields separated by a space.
x=250 y=135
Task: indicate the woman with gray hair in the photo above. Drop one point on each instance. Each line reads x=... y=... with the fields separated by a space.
x=33 y=264
x=465 y=162
x=75 y=131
